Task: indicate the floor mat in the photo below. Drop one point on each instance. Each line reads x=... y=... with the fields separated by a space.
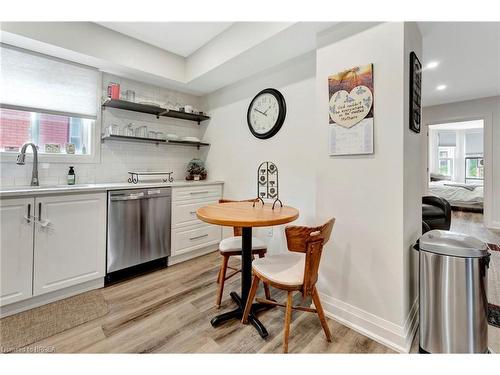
x=27 y=327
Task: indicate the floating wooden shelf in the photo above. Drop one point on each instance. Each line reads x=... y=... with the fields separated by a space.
x=153 y=110
x=125 y=138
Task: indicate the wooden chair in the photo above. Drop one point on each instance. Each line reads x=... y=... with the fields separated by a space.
x=296 y=270
x=231 y=246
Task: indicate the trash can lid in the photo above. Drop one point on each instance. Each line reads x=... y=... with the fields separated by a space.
x=453 y=244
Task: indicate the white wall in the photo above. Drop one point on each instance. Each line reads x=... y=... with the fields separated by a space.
x=235 y=153
x=117 y=158
x=365 y=278
x=412 y=190
x=487 y=109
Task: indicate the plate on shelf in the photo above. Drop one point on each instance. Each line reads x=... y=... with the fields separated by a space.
x=172 y=137
x=152 y=104
x=190 y=139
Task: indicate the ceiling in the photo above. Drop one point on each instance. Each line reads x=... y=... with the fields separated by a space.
x=181 y=38
x=468 y=54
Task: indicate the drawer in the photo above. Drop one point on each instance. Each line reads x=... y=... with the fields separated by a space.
x=197 y=192
x=184 y=212
x=185 y=240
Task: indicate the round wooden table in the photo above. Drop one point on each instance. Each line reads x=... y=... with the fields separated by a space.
x=244 y=215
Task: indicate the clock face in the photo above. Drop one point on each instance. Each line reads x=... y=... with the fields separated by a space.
x=266 y=113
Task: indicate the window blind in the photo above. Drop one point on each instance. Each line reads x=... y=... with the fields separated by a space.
x=40 y=83
x=474 y=143
x=447 y=139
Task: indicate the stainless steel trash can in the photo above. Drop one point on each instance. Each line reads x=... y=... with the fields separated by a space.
x=453 y=299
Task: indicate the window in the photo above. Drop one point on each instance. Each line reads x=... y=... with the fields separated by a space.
x=446 y=157
x=474 y=169
x=18 y=127
x=48 y=101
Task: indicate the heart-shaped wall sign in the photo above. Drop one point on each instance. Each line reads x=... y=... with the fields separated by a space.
x=349 y=108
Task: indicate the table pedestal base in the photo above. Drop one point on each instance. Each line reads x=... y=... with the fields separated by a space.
x=238 y=314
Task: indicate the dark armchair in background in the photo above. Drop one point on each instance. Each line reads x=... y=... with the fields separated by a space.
x=436 y=213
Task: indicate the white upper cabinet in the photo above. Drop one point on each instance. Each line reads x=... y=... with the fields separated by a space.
x=16 y=249
x=70 y=241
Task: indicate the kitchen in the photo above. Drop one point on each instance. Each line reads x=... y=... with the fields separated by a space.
x=180 y=197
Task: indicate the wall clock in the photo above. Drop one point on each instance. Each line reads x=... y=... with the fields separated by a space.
x=266 y=113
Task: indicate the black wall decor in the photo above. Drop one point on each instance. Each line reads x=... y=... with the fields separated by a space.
x=267 y=183
x=415 y=93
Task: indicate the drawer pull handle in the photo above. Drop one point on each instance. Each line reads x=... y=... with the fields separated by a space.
x=198 y=237
x=199 y=192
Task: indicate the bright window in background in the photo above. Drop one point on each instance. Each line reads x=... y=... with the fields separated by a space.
x=18 y=127
x=446 y=156
x=474 y=169
x=47 y=101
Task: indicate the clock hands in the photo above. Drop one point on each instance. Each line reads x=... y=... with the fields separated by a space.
x=268 y=108
x=262 y=113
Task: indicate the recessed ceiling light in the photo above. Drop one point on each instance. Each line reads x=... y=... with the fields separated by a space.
x=432 y=64
x=441 y=87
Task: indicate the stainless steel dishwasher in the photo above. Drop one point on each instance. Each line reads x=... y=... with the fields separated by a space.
x=138 y=231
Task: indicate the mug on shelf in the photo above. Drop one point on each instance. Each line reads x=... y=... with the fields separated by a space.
x=141 y=131
x=128 y=130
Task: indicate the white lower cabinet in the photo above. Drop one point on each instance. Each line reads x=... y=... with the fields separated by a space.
x=70 y=247
x=50 y=243
x=16 y=249
x=192 y=237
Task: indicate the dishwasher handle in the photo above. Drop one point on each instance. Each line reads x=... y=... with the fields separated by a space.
x=128 y=197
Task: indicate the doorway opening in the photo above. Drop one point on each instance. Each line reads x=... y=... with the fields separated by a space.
x=456 y=173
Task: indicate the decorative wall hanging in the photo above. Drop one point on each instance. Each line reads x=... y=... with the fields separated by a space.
x=267 y=183
x=415 y=92
x=351 y=111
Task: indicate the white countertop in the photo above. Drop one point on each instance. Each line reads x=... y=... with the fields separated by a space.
x=18 y=191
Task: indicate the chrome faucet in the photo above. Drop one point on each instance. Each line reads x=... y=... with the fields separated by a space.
x=21 y=158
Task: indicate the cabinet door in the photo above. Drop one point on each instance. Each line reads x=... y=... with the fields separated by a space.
x=16 y=249
x=70 y=240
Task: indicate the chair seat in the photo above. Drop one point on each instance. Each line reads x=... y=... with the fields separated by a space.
x=232 y=244
x=286 y=269
x=432 y=212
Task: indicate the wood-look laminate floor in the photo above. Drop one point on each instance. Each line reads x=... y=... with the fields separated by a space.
x=169 y=311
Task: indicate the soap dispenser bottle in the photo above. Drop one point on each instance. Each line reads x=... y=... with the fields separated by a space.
x=71 y=176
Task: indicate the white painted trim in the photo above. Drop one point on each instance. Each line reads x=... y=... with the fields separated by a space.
x=398 y=338
x=191 y=254
x=494 y=225
x=44 y=299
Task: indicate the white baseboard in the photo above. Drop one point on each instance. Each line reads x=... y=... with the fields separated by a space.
x=398 y=338
x=191 y=254
x=494 y=225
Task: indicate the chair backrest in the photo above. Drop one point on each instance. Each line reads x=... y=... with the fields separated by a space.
x=237 y=230
x=309 y=240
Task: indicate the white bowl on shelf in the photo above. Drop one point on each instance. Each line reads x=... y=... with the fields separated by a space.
x=191 y=139
x=172 y=137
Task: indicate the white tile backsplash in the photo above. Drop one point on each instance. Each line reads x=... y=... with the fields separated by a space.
x=117 y=158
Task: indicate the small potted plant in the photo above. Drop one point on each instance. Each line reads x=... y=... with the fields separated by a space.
x=196 y=170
